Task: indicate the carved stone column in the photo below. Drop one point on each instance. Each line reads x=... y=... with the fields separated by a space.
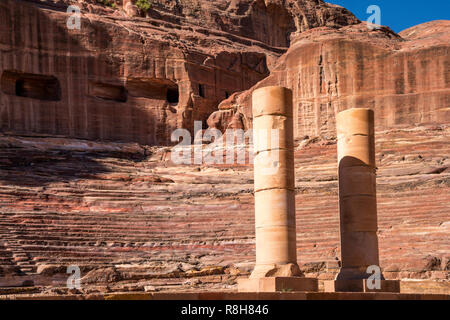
x=276 y=266
x=357 y=202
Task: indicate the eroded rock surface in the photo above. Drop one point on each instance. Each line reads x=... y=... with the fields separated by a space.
x=403 y=78
x=138 y=78
x=130 y=212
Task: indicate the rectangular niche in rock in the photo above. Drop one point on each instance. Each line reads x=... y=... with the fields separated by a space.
x=30 y=85
x=201 y=90
x=108 y=91
x=154 y=88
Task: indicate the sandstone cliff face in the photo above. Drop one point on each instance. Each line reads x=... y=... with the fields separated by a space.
x=268 y=21
x=405 y=80
x=137 y=79
x=115 y=79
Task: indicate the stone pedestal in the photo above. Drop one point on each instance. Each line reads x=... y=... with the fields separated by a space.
x=277 y=284
x=276 y=266
x=357 y=201
x=360 y=286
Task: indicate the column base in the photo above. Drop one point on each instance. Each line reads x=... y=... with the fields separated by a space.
x=360 y=286
x=278 y=284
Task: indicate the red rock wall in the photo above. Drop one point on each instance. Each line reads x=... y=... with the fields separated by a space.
x=405 y=81
x=268 y=21
x=208 y=49
x=97 y=67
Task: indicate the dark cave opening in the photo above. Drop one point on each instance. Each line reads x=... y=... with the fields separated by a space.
x=173 y=95
x=29 y=85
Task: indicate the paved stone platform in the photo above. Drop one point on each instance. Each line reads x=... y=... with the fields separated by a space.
x=279 y=296
x=238 y=296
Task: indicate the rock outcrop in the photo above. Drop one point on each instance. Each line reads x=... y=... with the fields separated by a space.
x=137 y=79
x=404 y=78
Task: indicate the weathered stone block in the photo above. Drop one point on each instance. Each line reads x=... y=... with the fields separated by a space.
x=277 y=284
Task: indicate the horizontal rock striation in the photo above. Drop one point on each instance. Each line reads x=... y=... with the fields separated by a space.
x=131 y=218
